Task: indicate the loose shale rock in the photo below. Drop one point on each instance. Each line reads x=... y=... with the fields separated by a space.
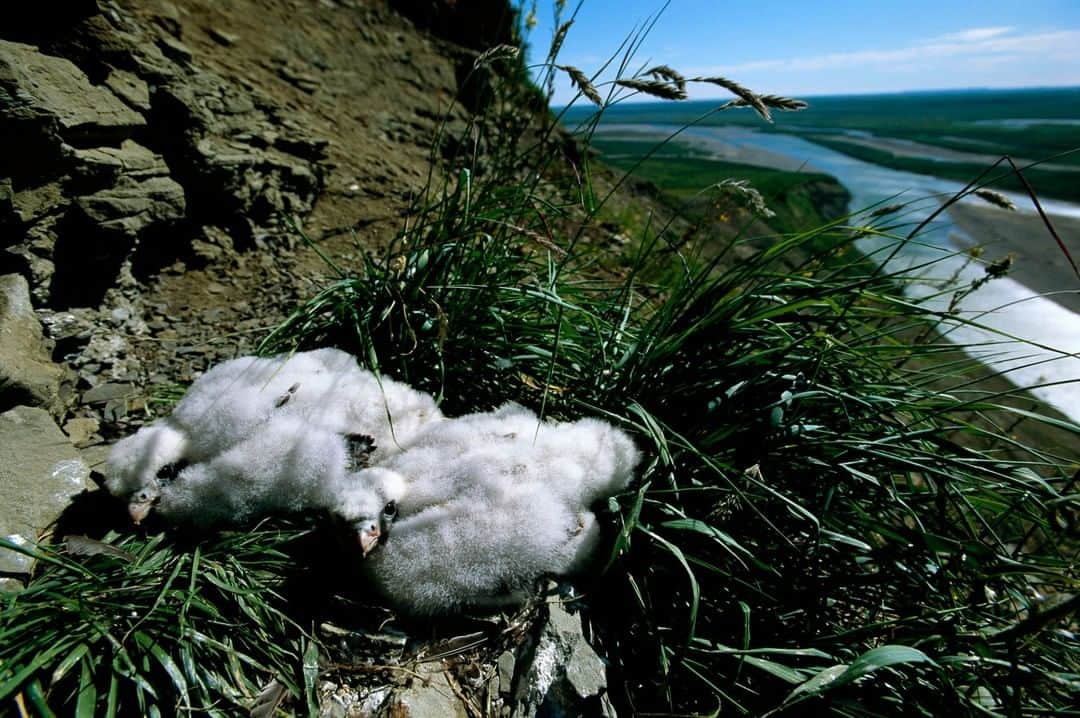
x=564 y=677
x=27 y=374
x=40 y=471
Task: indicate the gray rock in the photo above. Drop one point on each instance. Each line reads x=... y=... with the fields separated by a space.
x=228 y=39
x=130 y=88
x=35 y=268
x=260 y=182
x=7 y=192
x=131 y=206
x=68 y=325
x=166 y=15
x=430 y=696
x=27 y=374
x=338 y=700
x=175 y=49
x=584 y=671
x=563 y=676
x=507 y=661
x=40 y=471
x=249 y=162
x=41 y=88
x=34 y=211
x=129 y=158
x=31 y=204
x=103 y=393
x=373 y=702
x=82 y=431
x=302 y=80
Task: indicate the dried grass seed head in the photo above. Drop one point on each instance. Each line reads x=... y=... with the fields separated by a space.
x=668 y=74
x=743 y=93
x=494 y=54
x=746 y=194
x=654 y=88
x=995 y=198
x=557 y=41
x=581 y=80
x=775 y=102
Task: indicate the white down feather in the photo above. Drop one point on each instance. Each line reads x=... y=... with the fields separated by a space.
x=241 y=402
x=487 y=503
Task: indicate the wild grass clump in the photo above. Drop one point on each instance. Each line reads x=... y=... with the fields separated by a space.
x=814 y=531
x=149 y=624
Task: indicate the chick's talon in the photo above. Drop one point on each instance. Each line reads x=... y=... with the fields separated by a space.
x=361 y=443
x=168 y=472
x=361 y=447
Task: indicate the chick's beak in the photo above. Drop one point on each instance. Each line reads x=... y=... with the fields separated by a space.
x=368 y=538
x=139 y=510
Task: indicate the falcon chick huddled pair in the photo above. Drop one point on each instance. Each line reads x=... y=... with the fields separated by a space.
x=455 y=513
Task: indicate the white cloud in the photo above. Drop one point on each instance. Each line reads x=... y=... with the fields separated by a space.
x=973 y=35
x=977 y=42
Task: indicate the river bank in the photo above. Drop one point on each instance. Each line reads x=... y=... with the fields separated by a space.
x=1038 y=263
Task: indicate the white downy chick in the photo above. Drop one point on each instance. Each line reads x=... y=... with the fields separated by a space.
x=491 y=502
x=368 y=499
x=478 y=551
x=235 y=400
x=287 y=465
x=325 y=386
x=584 y=460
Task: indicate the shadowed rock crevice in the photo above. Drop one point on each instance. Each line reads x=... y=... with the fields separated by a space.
x=142 y=152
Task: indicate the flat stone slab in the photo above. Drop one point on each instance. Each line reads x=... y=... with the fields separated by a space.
x=430 y=696
x=44 y=86
x=27 y=373
x=40 y=472
x=129 y=158
x=131 y=206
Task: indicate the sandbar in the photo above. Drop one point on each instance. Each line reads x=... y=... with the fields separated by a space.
x=1039 y=264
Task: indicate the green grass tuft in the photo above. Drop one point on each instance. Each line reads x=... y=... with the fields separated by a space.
x=171 y=627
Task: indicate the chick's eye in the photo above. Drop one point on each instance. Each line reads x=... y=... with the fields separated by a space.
x=390 y=510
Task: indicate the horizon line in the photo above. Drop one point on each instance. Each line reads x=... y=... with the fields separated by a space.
x=869 y=93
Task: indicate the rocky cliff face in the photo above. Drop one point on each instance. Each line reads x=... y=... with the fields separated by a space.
x=158 y=151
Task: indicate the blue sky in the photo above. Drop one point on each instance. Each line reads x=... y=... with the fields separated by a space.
x=816 y=47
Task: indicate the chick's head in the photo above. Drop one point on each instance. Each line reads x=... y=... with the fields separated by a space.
x=368 y=504
x=138 y=465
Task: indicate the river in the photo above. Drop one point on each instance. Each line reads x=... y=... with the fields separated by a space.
x=1035 y=339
